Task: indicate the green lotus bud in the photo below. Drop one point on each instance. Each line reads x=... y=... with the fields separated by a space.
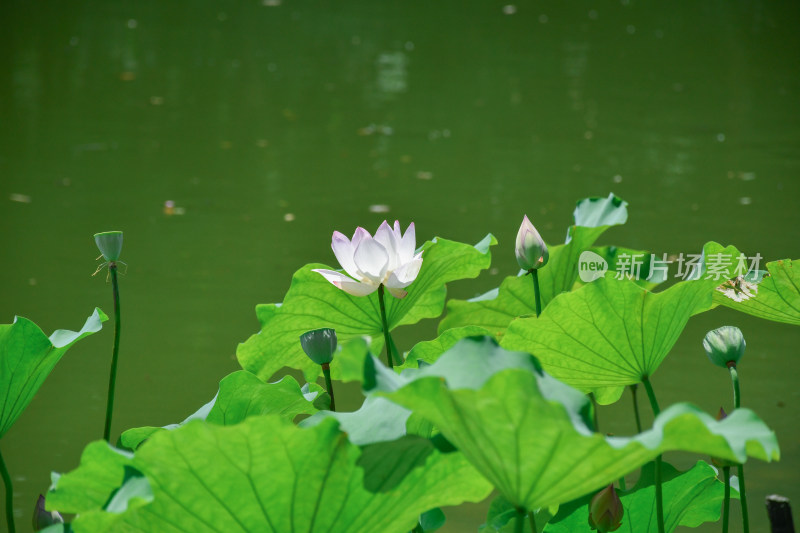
x=605 y=510
x=319 y=345
x=724 y=345
x=530 y=249
x=43 y=518
x=110 y=244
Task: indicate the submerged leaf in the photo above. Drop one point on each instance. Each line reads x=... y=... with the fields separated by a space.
x=265 y=475
x=27 y=356
x=312 y=303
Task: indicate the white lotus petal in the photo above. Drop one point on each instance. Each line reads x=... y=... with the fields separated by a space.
x=386 y=237
x=372 y=260
x=348 y=285
x=407 y=243
x=343 y=250
x=397 y=293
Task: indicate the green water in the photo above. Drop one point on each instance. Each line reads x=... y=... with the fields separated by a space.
x=270 y=124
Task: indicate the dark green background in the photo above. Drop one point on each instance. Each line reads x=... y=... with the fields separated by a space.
x=243 y=113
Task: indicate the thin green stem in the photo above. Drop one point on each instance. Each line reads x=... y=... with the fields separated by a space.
x=634 y=388
x=532 y=520
x=622 y=484
x=743 y=500
x=737 y=403
x=519 y=524
x=726 y=502
x=9 y=495
x=735 y=380
x=651 y=395
x=536 y=295
x=326 y=371
x=386 y=337
x=112 y=378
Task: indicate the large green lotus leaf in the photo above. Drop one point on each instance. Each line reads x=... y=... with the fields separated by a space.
x=495 y=309
x=376 y=420
x=312 y=302
x=27 y=356
x=777 y=296
x=528 y=433
x=242 y=394
x=610 y=332
x=429 y=351
x=267 y=475
x=690 y=498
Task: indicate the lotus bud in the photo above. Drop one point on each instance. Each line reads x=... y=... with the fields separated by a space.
x=716 y=461
x=605 y=511
x=110 y=244
x=531 y=250
x=319 y=345
x=43 y=518
x=724 y=345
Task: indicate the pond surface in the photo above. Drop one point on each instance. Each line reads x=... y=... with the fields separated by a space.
x=271 y=123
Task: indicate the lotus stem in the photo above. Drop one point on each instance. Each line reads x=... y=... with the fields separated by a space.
x=326 y=371
x=659 y=497
x=634 y=388
x=519 y=524
x=740 y=468
x=532 y=519
x=726 y=502
x=536 y=295
x=386 y=336
x=112 y=378
x=9 y=495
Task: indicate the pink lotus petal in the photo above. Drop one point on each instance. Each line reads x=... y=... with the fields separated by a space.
x=348 y=285
x=344 y=250
x=372 y=260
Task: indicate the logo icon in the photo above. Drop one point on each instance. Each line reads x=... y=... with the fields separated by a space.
x=591 y=266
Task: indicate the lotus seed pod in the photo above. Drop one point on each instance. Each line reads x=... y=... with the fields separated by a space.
x=110 y=244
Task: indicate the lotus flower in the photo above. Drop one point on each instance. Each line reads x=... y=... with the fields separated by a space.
x=530 y=248
x=387 y=259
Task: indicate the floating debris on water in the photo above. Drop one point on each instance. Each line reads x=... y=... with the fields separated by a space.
x=156 y=100
x=376 y=129
x=132 y=24
x=262 y=143
x=171 y=209
x=127 y=75
x=509 y=9
x=721 y=137
x=288 y=217
x=225 y=145
x=271 y=3
x=745 y=200
x=617 y=179
x=424 y=175
x=32 y=282
x=379 y=208
x=21 y=198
